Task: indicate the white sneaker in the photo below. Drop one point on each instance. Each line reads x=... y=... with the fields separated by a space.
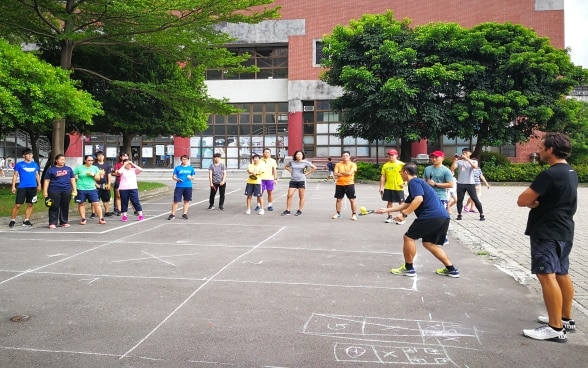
x=546 y=333
x=568 y=325
x=389 y=220
x=261 y=212
x=400 y=222
x=248 y=212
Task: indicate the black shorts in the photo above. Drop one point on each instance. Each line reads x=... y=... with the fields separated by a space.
x=396 y=196
x=297 y=184
x=430 y=230
x=550 y=256
x=253 y=190
x=25 y=195
x=104 y=195
x=345 y=190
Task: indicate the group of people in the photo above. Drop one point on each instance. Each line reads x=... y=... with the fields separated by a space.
x=89 y=182
x=552 y=199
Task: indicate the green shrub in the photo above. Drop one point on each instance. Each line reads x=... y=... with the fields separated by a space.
x=493 y=159
x=368 y=171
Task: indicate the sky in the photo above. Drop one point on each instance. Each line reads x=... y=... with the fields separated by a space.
x=576 y=30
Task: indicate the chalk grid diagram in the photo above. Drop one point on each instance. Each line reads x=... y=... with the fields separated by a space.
x=393 y=341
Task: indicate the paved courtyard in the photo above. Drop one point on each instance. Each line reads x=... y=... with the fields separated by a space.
x=226 y=289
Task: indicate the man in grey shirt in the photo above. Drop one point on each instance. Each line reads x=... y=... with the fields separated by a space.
x=465 y=181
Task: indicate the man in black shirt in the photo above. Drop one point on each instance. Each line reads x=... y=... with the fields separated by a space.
x=552 y=198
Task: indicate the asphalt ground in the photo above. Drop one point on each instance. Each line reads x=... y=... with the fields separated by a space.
x=223 y=289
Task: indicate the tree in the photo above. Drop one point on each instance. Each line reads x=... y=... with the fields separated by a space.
x=574 y=123
x=181 y=29
x=514 y=88
x=33 y=92
x=498 y=82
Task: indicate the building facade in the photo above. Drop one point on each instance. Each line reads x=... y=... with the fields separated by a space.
x=286 y=106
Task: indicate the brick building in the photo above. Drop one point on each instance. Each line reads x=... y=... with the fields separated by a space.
x=288 y=108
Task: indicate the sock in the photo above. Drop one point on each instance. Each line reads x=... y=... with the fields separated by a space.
x=556 y=329
x=26 y=219
x=450 y=268
x=408 y=266
x=269 y=204
x=567 y=319
x=12 y=219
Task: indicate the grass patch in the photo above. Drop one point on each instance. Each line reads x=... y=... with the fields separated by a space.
x=7 y=198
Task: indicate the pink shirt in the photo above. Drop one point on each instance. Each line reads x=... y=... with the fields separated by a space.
x=128 y=179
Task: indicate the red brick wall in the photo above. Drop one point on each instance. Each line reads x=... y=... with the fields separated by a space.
x=322 y=15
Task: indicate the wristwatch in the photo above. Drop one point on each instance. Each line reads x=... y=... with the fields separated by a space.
x=404 y=214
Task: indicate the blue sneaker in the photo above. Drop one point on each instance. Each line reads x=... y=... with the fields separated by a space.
x=402 y=271
x=270 y=208
x=257 y=208
x=445 y=272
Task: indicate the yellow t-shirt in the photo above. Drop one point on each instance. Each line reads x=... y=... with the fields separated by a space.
x=257 y=170
x=269 y=164
x=342 y=167
x=391 y=170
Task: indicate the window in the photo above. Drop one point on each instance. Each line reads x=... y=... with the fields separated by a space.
x=272 y=62
x=317 y=53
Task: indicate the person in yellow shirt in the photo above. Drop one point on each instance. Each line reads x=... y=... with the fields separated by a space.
x=253 y=187
x=345 y=185
x=391 y=183
x=269 y=179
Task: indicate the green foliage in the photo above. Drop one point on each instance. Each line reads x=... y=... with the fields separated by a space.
x=33 y=92
x=368 y=171
x=498 y=82
x=493 y=159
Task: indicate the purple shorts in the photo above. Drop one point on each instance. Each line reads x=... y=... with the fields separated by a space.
x=267 y=185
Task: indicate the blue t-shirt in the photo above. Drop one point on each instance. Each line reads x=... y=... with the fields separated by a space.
x=27 y=172
x=182 y=172
x=59 y=178
x=439 y=175
x=431 y=207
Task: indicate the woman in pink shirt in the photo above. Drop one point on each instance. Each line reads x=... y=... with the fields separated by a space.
x=129 y=190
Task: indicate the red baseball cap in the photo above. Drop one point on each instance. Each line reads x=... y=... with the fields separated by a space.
x=392 y=152
x=437 y=154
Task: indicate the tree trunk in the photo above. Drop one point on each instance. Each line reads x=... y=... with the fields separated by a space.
x=405 y=150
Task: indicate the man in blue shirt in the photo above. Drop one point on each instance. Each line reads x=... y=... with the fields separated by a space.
x=431 y=224
x=29 y=185
x=183 y=175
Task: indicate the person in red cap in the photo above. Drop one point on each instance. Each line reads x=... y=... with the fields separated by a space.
x=391 y=183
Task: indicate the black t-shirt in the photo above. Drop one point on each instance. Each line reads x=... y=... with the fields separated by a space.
x=107 y=170
x=553 y=219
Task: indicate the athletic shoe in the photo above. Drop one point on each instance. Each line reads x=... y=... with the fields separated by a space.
x=248 y=212
x=473 y=211
x=221 y=208
x=108 y=214
x=400 y=222
x=27 y=223
x=402 y=271
x=141 y=218
x=83 y=222
x=458 y=217
x=298 y=213
x=270 y=208
x=171 y=217
x=446 y=242
x=286 y=213
x=336 y=216
x=546 y=333
x=257 y=208
x=101 y=221
x=261 y=212
x=93 y=215
x=568 y=325
x=389 y=220
x=124 y=218
x=354 y=217
x=65 y=225
x=445 y=272
x=185 y=216
x=117 y=212
x=52 y=226
x=482 y=218
x=465 y=210
x=11 y=224
x=211 y=207
x=135 y=212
